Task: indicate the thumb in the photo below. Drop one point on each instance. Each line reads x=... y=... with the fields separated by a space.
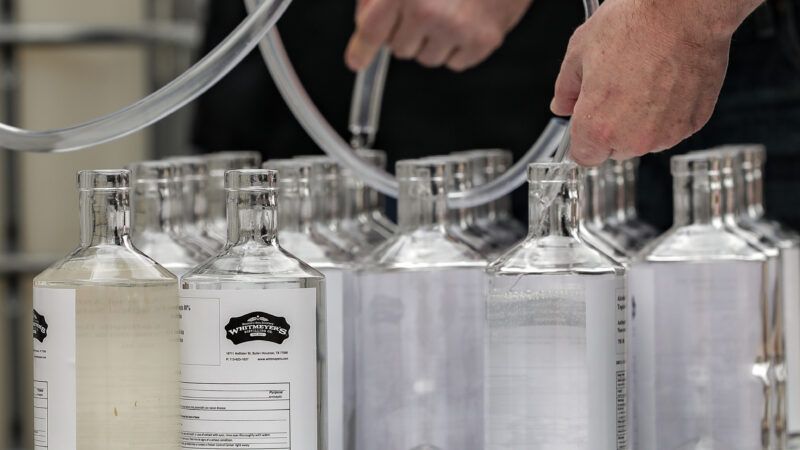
x=568 y=87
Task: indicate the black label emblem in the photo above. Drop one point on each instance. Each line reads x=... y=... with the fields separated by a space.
x=257 y=326
x=39 y=326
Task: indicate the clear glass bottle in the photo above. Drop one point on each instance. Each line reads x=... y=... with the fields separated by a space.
x=218 y=164
x=300 y=238
x=327 y=188
x=253 y=334
x=621 y=213
x=105 y=355
x=419 y=338
x=158 y=217
x=700 y=326
x=193 y=176
x=595 y=214
x=375 y=202
x=358 y=220
x=556 y=360
x=751 y=217
x=493 y=218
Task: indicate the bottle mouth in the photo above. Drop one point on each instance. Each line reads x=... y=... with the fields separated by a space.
x=221 y=162
x=704 y=163
x=104 y=180
x=554 y=173
x=190 y=168
x=251 y=180
x=430 y=170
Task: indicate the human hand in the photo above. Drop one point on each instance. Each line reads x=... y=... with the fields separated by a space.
x=641 y=76
x=456 y=33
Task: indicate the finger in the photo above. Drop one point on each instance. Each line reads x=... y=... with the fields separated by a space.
x=568 y=87
x=466 y=58
x=374 y=26
x=591 y=137
x=435 y=52
x=408 y=39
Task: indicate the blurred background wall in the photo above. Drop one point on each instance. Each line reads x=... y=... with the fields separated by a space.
x=50 y=77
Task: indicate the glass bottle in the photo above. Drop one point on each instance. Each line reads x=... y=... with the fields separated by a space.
x=500 y=211
x=595 y=214
x=218 y=164
x=300 y=238
x=700 y=326
x=556 y=333
x=486 y=165
x=357 y=218
x=621 y=200
x=253 y=334
x=751 y=217
x=193 y=176
x=374 y=201
x=419 y=337
x=105 y=356
x=327 y=188
x=158 y=217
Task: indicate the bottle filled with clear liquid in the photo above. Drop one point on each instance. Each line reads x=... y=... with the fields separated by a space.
x=158 y=217
x=300 y=238
x=701 y=325
x=253 y=334
x=419 y=334
x=105 y=348
x=556 y=331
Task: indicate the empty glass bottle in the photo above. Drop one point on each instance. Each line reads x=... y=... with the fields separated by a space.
x=621 y=213
x=751 y=217
x=253 y=334
x=158 y=217
x=358 y=220
x=218 y=164
x=419 y=340
x=700 y=326
x=596 y=216
x=105 y=356
x=300 y=238
x=556 y=333
x=193 y=176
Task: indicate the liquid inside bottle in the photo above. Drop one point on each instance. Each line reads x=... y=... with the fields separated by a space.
x=556 y=338
x=701 y=326
x=253 y=348
x=105 y=349
x=419 y=341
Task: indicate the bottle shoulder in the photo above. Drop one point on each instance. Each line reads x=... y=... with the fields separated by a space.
x=700 y=242
x=777 y=233
x=314 y=250
x=252 y=262
x=107 y=265
x=554 y=255
x=423 y=248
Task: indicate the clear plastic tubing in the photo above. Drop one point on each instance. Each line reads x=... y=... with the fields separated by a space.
x=324 y=135
x=190 y=85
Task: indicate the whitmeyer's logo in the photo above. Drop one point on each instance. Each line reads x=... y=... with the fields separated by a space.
x=257 y=326
x=39 y=326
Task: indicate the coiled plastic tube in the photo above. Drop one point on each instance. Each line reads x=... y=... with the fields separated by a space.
x=191 y=84
x=331 y=143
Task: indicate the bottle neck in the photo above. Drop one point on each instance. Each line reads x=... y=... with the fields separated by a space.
x=422 y=206
x=215 y=198
x=554 y=209
x=698 y=200
x=355 y=201
x=105 y=217
x=594 y=198
x=327 y=204
x=252 y=217
x=628 y=191
x=620 y=196
x=754 y=193
x=157 y=207
x=195 y=204
x=297 y=209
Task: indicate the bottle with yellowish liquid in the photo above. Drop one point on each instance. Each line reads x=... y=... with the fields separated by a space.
x=105 y=348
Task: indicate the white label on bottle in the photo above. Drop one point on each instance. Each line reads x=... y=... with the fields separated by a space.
x=557 y=348
x=249 y=369
x=54 y=370
x=700 y=371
